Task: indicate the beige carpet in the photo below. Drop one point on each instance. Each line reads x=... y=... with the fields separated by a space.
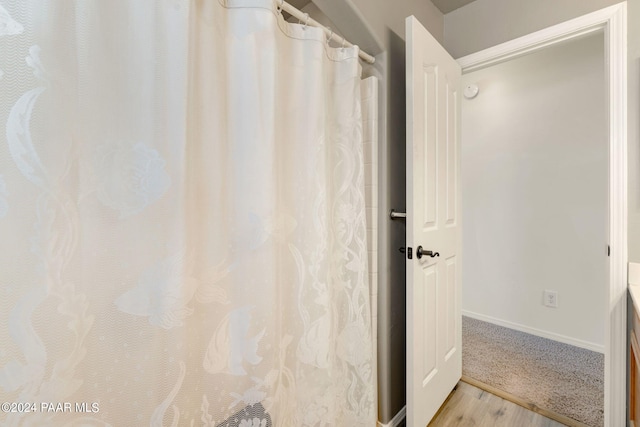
x=555 y=376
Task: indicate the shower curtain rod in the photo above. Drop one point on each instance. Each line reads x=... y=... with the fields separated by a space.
x=305 y=19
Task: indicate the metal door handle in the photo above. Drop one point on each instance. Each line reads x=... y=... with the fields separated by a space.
x=397 y=215
x=420 y=252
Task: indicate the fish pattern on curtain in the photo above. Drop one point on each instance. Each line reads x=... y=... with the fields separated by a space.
x=182 y=218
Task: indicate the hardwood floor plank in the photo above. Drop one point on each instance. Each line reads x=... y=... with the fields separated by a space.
x=499 y=413
x=461 y=410
x=470 y=406
x=525 y=404
x=471 y=390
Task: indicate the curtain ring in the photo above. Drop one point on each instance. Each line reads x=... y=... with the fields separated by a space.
x=279 y=7
x=330 y=35
x=344 y=41
x=306 y=21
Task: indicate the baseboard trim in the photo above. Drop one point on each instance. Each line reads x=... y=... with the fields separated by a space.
x=538 y=332
x=395 y=421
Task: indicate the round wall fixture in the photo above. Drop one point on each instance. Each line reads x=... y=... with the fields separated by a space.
x=471 y=91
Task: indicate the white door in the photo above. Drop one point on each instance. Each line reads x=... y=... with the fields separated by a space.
x=434 y=335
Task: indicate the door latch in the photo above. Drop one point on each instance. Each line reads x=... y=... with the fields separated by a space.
x=408 y=251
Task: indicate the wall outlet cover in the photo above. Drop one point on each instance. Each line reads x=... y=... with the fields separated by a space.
x=550 y=298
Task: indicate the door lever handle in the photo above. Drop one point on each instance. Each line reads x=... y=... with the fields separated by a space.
x=420 y=252
x=396 y=215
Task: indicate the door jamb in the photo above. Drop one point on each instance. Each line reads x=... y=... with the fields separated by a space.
x=613 y=21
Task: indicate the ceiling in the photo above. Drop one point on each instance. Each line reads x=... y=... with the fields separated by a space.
x=445 y=6
x=298 y=4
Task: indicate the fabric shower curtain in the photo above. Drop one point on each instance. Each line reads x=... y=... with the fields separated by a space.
x=182 y=219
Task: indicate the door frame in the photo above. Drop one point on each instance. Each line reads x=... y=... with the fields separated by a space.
x=612 y=21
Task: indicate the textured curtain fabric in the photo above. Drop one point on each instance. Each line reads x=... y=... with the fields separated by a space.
x=182 y=218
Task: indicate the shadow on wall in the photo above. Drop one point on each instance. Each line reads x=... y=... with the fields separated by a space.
x=392 y=278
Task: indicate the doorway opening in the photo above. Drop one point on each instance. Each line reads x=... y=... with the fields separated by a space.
x=534 y=178
x=611 y=22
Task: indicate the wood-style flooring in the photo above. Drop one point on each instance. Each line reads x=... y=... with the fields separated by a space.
x=471 y=406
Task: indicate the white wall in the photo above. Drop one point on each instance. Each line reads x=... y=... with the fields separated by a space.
x=484 y=23
x=633 y=135
x=534 y=180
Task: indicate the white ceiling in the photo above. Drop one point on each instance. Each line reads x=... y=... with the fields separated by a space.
x=298 y=4
x=445 y=6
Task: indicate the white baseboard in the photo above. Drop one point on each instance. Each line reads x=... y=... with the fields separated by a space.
x=395 y=421
x=538 y=332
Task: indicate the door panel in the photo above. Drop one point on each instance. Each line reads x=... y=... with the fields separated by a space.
x=428 y=324
x=430 y=82
x=434 y=360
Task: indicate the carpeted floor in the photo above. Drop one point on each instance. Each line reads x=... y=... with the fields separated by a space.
x=559 y=377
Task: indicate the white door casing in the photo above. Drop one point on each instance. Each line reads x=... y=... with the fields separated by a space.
x=613 y=21
x=434 y=338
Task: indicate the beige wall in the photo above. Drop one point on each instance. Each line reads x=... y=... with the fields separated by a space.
x=485 y=23
x=529 y=198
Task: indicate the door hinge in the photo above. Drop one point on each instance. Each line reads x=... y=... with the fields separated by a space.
x=608 y=250
x=409 y=253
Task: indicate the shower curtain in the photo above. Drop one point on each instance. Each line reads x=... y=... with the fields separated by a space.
x=182 y=218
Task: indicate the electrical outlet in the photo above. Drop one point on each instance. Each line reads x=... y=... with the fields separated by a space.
x=551 y=299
